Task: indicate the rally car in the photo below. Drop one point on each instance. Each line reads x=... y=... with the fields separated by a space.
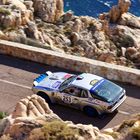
x=93 y=94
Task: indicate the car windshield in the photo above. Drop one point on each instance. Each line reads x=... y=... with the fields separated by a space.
x=106 y=91
x=67 y=82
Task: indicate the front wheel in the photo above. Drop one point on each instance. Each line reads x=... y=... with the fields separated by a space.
x=91 y=112
x=44 y=96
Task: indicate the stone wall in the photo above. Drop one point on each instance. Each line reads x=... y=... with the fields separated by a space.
x=80 y=64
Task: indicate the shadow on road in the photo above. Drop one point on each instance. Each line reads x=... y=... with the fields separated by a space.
x=78 y=116
x=28 y=65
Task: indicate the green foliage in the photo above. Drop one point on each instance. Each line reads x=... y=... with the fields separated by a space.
x=126 y=124
x=4 y=11
x=135 y=132
x=13 y=7
x=130 y=129
x=125 y=41
x=32 y=42
x=2 y=115
x=55 y=130
x=113 y=134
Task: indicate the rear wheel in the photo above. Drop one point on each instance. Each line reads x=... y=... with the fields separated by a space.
x=44 y=96
x=91 y=112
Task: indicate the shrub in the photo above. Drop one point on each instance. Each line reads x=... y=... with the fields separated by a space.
x=135 y=132
x=113 y=134
x=31 y=42
x=4 y=11
x=126 y=124
x=2 y=115
x=13 y=7
x=55 y=130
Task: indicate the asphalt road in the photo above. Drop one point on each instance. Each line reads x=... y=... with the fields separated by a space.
x=16 y=77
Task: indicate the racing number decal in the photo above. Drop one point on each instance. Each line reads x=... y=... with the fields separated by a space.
x=67 y=99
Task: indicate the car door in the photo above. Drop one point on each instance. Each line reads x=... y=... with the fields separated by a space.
x=80 y=98
x=74 y=97
x=69 y=96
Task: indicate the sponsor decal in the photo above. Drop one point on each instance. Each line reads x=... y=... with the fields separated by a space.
x=56 y=84
x=93 y=82
x=96 y=85
x=66 y=76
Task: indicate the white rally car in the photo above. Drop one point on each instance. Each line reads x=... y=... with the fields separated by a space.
x=91 y=93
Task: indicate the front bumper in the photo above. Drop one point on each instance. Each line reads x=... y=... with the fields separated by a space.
x=117 y=105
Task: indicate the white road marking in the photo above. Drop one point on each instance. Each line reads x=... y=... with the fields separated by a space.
x=15 y=84
x=123 y=112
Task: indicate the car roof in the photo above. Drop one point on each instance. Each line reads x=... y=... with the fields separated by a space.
x=86 y=81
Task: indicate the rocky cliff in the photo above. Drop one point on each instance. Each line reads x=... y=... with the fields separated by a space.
x=114 y=37
x=32 y=119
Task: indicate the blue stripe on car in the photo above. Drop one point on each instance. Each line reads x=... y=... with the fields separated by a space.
x=40 y=78
x=44 y=88
x=96 y=85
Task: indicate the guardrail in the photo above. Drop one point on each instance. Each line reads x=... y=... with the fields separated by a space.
x=74 y=63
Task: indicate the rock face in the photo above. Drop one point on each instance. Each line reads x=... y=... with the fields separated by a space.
x=116 y=11
x=48 y=10
x=43 y=23
x=32 y=119
x=33 y=113
x=127 y=130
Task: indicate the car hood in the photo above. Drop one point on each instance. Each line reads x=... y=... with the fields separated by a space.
x=54 y=81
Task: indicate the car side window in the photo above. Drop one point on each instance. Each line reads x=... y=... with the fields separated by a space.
x=84 y=93
x=73 y=91
x=95 y=97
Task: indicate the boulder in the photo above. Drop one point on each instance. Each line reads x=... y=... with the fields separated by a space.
x=130 y=20
x=124 y=5
x=32 y=117
x=29 y=4
x=67 y=16
x=33 y=32
x=74 y=38
x=130 y=52
x=17 y=3
x=107 y=57
x=31 y=112
x=117 y=11
x=12 y=18
x=48 y=11
x=77 y=26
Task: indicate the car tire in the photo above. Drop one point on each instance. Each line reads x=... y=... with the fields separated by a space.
x=45 y=96
x=91 y=112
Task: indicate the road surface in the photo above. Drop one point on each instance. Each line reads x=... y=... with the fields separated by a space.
x=16 y=77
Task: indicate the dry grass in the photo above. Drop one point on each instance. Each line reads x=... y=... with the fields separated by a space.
x=56 y=130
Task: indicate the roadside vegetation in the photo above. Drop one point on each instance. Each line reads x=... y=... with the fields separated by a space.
x=56 y=130
x=4 y=11
x=3 y=115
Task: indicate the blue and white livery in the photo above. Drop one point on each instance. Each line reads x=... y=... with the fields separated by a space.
x=88 y=92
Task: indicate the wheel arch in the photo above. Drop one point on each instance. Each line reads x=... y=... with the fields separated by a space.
x=45 y=96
